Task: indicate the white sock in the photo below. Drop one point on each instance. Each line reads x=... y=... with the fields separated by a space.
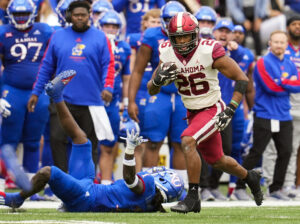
x=2 y=184
x=106 y=182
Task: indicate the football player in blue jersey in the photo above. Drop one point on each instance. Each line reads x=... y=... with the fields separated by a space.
x=22 y=46
x=158 y=125
x=150 y=19
x=207 y=18
x=89 y=52
x=60 y=10
x=98 y=7
x=110 y=23
x=138 y=192
x=134 y=11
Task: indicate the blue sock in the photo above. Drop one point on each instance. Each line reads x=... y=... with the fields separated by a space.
x=48 y=191
x=14 y=200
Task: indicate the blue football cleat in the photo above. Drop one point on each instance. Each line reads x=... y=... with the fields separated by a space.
x=15 y=170
x=13 y=200
x=55 y=87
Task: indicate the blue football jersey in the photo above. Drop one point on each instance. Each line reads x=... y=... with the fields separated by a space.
x=135 y=10
x=23 y=52
x=152 y=38
x=118 y=197
x=122 y=65
x=247 y=60
x=135 y=41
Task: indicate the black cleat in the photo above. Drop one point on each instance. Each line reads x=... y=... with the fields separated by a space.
x=253 y=181
x=189 y=204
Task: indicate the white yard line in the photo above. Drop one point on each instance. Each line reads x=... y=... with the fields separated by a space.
x=266 y=203
x=56 y=222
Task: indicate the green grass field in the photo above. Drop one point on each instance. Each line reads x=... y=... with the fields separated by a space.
x=243 y=215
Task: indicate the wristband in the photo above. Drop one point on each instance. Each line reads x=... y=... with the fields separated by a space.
x=134 y=184
x=125 y=102
x=234 y=103
x=129 y=149
x=129 y=162
x=153 y=82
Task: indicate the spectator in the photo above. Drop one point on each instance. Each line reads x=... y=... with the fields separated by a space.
x=249 y=14
x=22 y=46
x=201 y=95
x=292 y=181
x=275 y=78
x=88 y=52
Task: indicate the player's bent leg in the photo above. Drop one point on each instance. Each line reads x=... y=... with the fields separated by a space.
x=73 y=192
x=192 y=202
x=151 y=154
x=81 y=164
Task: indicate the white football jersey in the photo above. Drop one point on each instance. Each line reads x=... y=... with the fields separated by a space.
x=197 y=82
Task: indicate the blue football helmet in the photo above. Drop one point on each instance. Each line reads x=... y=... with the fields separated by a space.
x=98 y=7
x=110 y=17
x=127 y=123
x=168 y=182
x=21 y=13
x=206 y=13
x=61 y=9
x=169 y=10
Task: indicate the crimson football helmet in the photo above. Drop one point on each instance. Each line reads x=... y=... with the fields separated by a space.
x=184 y=23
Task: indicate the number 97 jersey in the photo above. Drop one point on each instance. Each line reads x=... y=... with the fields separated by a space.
x=197 y=81
x=22 y=53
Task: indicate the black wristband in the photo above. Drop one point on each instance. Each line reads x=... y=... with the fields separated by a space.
x=241 y=86
x=231 y=107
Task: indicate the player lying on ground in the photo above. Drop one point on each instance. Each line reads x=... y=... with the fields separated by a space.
x=144 y=192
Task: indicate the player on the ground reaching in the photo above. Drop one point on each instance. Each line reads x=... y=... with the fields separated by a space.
x=194 y=64
x=143 y=192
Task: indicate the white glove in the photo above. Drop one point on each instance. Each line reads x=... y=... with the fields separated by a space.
x=132 y=141
x=4 y=105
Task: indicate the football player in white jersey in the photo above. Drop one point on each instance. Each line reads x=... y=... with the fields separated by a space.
x=194 y=64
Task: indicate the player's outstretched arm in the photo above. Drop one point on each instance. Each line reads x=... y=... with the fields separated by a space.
x=131 y=179
x=54 y=89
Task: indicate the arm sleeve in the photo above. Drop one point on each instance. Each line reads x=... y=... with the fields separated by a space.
x=108 y=65
x=46 y=70
x=218 y=51
x=266 y=81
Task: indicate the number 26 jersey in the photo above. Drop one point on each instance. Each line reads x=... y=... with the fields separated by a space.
x=197 y=82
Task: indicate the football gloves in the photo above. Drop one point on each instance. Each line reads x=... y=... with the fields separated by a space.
x=165 y=74
x=223 y=118
x=133 y=140
x=4 y=105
